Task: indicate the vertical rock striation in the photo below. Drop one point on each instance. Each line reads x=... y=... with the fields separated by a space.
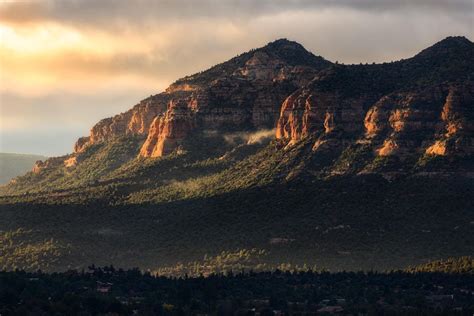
x=419 y=106
x=167 y=131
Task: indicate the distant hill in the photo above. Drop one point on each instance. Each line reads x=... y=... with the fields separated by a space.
x=13 y=165
x=451 y=265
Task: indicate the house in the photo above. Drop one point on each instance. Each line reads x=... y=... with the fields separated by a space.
x=104 y=287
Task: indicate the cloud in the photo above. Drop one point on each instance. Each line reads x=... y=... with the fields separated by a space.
x=51 y=56
x=113 y=12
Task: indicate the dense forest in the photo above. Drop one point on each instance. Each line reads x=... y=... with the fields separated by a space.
x=378 y=224
x=110 y=291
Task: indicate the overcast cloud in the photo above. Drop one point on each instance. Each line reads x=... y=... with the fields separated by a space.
x=137 y=11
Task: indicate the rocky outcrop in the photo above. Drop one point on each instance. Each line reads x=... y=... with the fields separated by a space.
x=136 y=121
x=71 y=162
x=243 y=93
x=406 y=121
x=81 y=144
x=421 y=105
x=435 y=120
x=49 y=163
x=38 y=166
x=457 y=117
x=413 y=105
x=169 y=130
x=307 y=114
x=145 y=113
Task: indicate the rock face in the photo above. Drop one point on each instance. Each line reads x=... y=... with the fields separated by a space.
x=81 y=144
x=434 y=121
x=243 y=93
x=306 y=114
x=423 y=105
x=71 y=162
x=136 y=121
x=437 y=120
x=456 y=134
x=49 y=163
x=168 y=130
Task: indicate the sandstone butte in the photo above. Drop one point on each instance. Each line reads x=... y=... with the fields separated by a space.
x=392 y=106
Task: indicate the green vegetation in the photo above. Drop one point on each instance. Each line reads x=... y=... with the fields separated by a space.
x=95 y=162
x=353 y=159
x=370 y=223
x=19 y=250
x=243 y=260
x=464 y=265
x=447 y=61
x=384 y=163
x=430 y=161
x=288 y=51
x=13 y=165
x=154 y=213
x=108 y=291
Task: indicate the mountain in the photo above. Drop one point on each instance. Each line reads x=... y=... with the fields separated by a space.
x=242 y=93
x=408 y=111
x=13 y=165
x=342 y=166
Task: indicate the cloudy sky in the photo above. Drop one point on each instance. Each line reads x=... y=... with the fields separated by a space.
x=65 y=64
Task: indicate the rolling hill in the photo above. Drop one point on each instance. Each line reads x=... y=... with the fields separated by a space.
x=13 y=165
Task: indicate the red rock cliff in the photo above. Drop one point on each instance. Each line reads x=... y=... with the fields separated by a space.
x=436 y=120
x=169 y=130
x=136 y=121
x=244 y=92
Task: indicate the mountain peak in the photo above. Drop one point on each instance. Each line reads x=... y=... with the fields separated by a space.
x=294 y=53
x=284 y=43
x=452 y=42
x=289 y=52
x=448 y=47
x=455 y=40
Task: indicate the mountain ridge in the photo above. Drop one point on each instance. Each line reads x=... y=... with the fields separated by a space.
x=282 y=48
x=224 y=78
x=347 y=167
x=343 y=108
